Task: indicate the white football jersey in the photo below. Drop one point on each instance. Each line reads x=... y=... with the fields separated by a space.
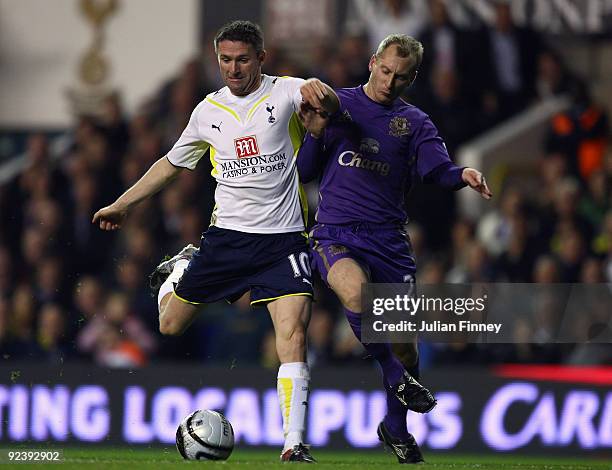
x=253 y=141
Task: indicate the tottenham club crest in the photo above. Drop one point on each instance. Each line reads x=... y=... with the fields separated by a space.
x=270 y=109
x=399 y=127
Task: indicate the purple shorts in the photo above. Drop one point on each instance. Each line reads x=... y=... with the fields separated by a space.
x=385 y=253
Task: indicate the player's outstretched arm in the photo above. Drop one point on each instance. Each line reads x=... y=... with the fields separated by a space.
x=320 y=96
x=160 y=174
x=313 y=120
x=312 y=156
x=476 y=180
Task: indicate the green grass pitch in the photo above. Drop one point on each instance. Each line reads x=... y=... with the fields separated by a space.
x=162 y=458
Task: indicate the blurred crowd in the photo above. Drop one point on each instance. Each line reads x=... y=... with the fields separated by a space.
x=69 y=291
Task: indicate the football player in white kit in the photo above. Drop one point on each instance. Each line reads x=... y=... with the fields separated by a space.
x=256 y=239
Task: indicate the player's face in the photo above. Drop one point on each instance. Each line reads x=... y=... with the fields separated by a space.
x=240 y=66
x=390 y=75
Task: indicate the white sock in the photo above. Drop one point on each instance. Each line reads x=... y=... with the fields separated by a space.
x=292 y=387
x=174 y=277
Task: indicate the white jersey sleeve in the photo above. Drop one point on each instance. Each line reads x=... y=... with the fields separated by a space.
x=292 y=86
x=191 y=145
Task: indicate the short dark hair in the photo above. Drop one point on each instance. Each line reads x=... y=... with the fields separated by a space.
x=407 y=46
x=242 y=31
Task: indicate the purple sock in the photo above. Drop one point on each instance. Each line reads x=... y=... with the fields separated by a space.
x=395 y=419
x=414 y=370
x=392 y=368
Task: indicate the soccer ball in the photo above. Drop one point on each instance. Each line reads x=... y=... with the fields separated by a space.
x=205 y=435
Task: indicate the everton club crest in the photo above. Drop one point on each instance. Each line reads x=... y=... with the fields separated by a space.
x=399 y=126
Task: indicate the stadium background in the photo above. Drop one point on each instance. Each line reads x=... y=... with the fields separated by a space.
x=78 y=327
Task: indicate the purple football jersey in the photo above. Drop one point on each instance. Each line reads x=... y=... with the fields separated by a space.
x=369 y=156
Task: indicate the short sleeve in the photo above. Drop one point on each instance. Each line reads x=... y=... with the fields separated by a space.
x=190 y=146
x=292 y=86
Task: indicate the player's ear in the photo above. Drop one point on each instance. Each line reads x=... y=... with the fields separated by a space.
x=414 y=76
x=261 y=56
x=372 y=62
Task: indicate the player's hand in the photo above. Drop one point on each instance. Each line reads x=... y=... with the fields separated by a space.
x=314 y=121
x=320 y=96
x=476 y=180
x=110 y=217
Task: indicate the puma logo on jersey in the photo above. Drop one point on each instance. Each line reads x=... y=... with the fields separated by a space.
x=217 y=127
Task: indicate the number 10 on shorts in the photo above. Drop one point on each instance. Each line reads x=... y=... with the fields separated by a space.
x=304 y=263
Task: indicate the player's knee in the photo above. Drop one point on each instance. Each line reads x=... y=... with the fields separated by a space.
x=292 y=335
x=352 y=300
x=291 y=344
x=169 y=327
x=297 y=335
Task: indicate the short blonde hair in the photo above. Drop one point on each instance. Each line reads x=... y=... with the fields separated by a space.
x=407 y=46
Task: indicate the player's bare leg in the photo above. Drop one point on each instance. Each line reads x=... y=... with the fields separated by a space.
x=345 y=277
x=290 y=316
x=175 y=315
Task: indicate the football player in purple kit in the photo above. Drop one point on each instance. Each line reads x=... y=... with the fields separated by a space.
x=367 y=156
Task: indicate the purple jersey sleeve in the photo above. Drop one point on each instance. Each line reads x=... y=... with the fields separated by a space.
x=447 y=175
x=310 y=158
x=433 y=163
